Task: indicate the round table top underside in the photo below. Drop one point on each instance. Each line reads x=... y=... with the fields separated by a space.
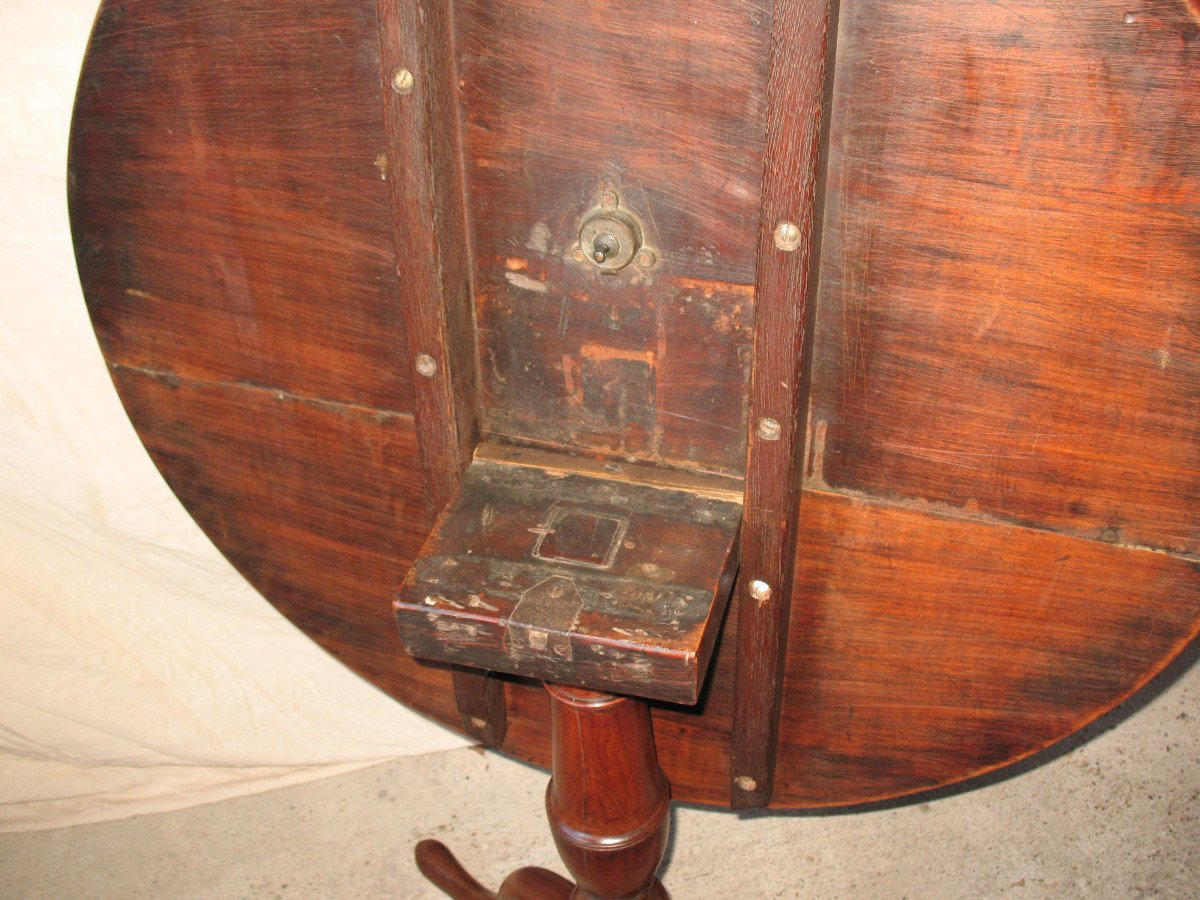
x=998 y=537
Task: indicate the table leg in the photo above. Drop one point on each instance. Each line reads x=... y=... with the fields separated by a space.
x=607 y=801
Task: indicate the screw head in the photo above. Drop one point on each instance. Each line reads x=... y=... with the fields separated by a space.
x=760 y=590
x=604 y=246
x=577 y=253
x=426 y=365
x=610 y=239
x=609 y=199
x=746 y=783
x=769 y=429
x=402 y=81
x=787 y=236
x=646 y=258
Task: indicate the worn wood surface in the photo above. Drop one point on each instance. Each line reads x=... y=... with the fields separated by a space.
x=974 y=575
x=226 y=180
x=429 y=225
x=903 y=606
x=789 y=247
x=556 y=98
x=1008 y=322
x=567 y=575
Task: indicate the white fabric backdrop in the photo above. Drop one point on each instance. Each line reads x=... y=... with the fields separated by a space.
x=138 y=671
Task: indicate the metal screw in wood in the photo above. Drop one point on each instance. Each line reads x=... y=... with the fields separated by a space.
x=426 y=365
x=760 y=591
x=787 y=236
x=769 y=429
x=402 y=81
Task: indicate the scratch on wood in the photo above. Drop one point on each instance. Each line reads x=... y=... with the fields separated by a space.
x=675 y=415
x=990 y=320
x=174 y=380
x=495 y=367
x=816 y=456
x=539 y=238
x=1163 y=355
x=710 y=288
x=661 y=332
x=460 y=630
x=1048 y=594
x=479 y=603
x=525 y=283
x=143 y=295
x=970 y=512
x=594 y=351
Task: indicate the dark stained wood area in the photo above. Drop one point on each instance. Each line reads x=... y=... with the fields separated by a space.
x=999 y=536
x=924 y=644
x=544 y=570
x=556 y=98
x=1010 y=300
x=892 y=678
x=226 y=178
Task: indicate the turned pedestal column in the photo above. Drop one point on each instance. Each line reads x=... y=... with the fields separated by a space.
x=607 y=802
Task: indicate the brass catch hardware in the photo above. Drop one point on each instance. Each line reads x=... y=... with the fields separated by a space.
x=610 y=238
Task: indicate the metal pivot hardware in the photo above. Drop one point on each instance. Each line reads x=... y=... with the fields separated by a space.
x=610 y=238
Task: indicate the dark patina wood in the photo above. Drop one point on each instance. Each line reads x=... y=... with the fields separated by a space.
x=429 y=224
x=559 y=102
x=789 y=242
x=1007 y=325
x=229 y=212
x=606 y=576
x=895 y=641
x=998 y=536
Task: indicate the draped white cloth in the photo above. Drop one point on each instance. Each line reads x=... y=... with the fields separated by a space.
x=138 y=671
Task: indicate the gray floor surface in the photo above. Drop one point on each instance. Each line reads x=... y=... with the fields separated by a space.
x=1117 y=815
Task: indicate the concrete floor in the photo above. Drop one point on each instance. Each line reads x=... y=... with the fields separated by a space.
x=1116 y=816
